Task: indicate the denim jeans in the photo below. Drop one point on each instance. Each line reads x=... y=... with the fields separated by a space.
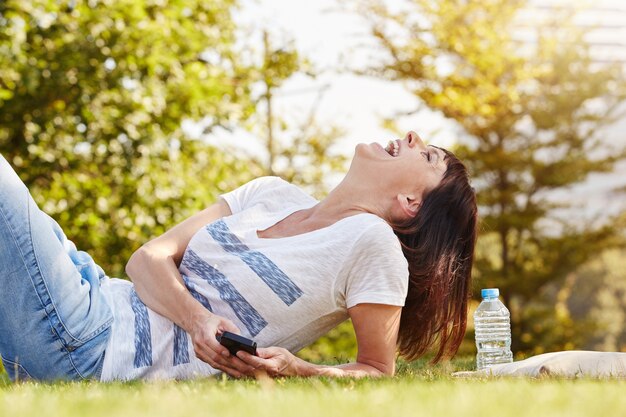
x=54 y=320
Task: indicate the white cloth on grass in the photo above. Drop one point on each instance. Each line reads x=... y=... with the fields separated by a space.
x=571 y=364
x=281 y=292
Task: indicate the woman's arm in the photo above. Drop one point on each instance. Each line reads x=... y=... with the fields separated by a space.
x=153 y=268
x=376 y=327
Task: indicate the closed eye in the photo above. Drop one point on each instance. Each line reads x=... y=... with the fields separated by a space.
x=427 y=155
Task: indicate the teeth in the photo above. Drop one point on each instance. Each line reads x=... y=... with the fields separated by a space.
x=392 y=148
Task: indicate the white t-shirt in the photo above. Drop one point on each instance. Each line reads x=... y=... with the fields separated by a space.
x=280 y=292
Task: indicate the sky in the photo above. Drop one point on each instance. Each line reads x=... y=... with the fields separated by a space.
x=329 y=36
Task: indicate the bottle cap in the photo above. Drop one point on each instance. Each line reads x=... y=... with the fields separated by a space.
x=489 y=293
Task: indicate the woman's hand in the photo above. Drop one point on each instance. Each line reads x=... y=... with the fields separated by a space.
x=275 y=361
x=203 y=333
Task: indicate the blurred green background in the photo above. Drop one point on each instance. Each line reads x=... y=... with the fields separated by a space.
x=95 y=96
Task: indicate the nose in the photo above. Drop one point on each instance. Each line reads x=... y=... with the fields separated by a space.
x=413 y=139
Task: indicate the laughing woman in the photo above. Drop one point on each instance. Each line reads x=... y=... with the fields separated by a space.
x=391 y=248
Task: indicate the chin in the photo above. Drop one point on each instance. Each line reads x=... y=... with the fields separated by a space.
x=365 y=149
x=360 y=147
x=359 y=151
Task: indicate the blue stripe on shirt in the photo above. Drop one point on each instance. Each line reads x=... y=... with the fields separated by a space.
x=247 y=314
x=181 y=344
x=143 y=340
x=267 y=270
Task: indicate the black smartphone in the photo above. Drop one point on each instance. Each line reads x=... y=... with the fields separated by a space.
x=234 y=343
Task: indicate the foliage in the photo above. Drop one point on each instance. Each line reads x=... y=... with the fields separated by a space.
x=338 y=345
x=531 y=120
x=92 y=97
x=303 y=155
x=309 y=159
x=598 y=293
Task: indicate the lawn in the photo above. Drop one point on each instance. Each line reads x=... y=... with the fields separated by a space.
x=418 y=390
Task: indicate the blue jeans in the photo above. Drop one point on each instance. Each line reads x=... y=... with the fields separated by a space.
x=54 y=320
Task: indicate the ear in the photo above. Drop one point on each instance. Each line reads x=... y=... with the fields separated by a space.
x=409 y=204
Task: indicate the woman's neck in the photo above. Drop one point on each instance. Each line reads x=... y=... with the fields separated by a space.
x=347 y=199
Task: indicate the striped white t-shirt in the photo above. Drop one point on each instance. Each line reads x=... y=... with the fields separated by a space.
x=279 y=291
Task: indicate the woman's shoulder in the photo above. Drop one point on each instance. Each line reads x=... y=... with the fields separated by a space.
x=268 y=191
x=376 y=270
x=264 y=183
x=276 y=187
x=376 y=237
x=270 y=183
x=374 y=228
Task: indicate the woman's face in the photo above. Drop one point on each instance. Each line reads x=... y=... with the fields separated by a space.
x=405 y=166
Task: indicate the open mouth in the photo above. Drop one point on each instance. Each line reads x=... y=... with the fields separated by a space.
x=392 y=148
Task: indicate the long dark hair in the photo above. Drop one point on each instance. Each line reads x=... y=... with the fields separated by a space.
x=438 y=244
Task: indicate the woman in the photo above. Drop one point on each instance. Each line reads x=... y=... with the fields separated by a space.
x=391 y=247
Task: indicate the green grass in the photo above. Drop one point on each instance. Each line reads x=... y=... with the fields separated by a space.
x=418 y=390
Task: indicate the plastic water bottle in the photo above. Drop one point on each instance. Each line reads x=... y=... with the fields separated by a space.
x=492 y=322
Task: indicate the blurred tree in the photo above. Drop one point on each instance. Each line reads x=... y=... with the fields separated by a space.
x=599 y=295
x=304 y=155
x=92 y=97
x=337 y=346
x=310 y=160
x=532 y=119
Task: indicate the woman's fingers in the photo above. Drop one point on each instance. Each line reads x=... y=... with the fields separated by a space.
x=268 y=352
x=220 y=361
x=209 y=338
x=210 y=359
x=209 y=350
x=251 y=360
x=229 y=326
x=213 y=351
x=274 y=360
x=230 y=370
x=259 y=365
x=241 y=366
x=226 y=359
x=210 y=356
